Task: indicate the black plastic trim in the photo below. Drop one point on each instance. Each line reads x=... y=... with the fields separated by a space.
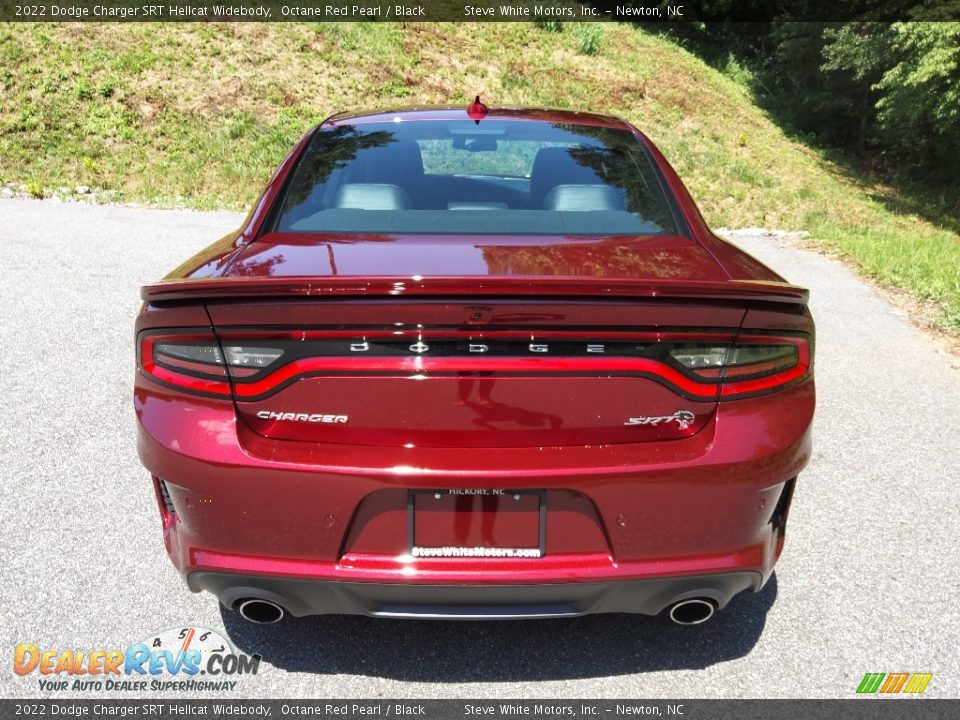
x=473 y=602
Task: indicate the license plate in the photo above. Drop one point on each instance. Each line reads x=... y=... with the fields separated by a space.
x=480 y=523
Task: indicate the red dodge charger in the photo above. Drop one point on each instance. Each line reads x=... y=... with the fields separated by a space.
x=474 y=364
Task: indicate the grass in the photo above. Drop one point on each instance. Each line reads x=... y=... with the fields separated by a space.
x=200 y=114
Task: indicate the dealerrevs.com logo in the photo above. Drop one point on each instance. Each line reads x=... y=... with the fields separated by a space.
x=183 y=659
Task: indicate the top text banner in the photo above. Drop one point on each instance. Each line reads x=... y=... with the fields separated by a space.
x=639 y=11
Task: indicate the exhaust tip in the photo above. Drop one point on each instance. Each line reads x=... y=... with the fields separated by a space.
x=262 y=612
x=692 y=612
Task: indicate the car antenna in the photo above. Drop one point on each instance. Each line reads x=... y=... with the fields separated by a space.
x=477 y=110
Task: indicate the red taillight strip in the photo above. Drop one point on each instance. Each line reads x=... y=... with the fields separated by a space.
x=732 y=372
x=505 y=365
x=171 y=377
x=735 y=388
x=188 y=382
x=415 y=365
x=425 y=365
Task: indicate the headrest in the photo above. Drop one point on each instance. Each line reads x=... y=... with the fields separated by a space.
x=580 y=198
x=397 y=163
x=371 y=196
x=556 y=166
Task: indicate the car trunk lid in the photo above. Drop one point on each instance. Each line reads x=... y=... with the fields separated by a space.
x=459 y=343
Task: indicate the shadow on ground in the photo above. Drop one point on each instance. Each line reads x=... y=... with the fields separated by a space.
x=439 y=651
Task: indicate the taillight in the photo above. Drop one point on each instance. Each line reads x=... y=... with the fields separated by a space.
x=753 y=365
x=197 y=362
x=252 y=364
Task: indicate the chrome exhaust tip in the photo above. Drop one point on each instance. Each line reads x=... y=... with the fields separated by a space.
x=262 y=612
x=692 y=612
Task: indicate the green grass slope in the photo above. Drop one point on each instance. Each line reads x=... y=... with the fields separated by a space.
x=200 y=114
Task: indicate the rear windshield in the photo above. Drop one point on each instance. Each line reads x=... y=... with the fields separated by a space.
x=460 y=177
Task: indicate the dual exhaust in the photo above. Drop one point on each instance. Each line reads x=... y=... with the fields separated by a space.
x=686 y=612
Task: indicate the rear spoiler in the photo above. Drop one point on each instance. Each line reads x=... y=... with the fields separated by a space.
x=354 y=286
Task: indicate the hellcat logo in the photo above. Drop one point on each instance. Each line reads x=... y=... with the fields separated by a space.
x=683 y=418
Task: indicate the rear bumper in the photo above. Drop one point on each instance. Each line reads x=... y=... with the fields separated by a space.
x=631 y=527
x=459 y=602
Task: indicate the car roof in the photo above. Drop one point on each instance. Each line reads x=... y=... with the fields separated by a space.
x=448 y=113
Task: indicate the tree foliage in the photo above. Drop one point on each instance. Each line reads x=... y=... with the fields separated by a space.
x=886 y=93
x=912 y=74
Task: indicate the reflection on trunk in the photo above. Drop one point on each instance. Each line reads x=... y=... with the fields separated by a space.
x=490 y=412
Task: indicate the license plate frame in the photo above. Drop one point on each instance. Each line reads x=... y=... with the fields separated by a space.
x=495 y=552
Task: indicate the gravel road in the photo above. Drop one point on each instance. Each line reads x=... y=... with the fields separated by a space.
x=867 y=582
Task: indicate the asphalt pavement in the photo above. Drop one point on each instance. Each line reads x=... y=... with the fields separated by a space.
x=867 y=583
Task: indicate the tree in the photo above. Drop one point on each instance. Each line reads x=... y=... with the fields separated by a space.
x=913 y=71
